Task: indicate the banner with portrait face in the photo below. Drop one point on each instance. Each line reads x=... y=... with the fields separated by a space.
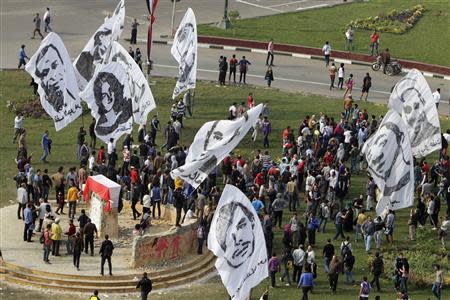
x=184 y=50
x=390 y=163
x=141 y=95
x=236 y=237
x=97 y=49
x=51 y=68
x=108 y=95
x=214 y=141
x=412 y=98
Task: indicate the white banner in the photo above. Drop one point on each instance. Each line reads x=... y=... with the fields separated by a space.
x=412 y=98
x=51 y=68
x=236 y=237
x=214 y=141
x=108 y=95
x=184 y=50
x=390 y=163
x=141 y=95
x=97 y=49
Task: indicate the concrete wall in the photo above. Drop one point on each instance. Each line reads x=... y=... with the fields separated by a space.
x=171 y=244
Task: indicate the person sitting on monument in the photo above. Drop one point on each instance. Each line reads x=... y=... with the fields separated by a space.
x=146 y=221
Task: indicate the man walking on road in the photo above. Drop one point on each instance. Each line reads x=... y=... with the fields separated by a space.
x=332 y=71
x=22 y=56
x=145 y=284
x=270 y=53
x=437 y=97
x=47 y=20
x=326 y=49
x=367 y=83
x=37 y=26
x=106 y=251
x=134 y=27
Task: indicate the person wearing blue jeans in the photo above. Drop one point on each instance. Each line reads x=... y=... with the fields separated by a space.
x=339 y=227
x=368 y=231
x=437 y=285
x=45 y=141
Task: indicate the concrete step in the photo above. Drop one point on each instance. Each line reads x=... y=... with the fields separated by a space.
x=107 y=281
x=73 y=287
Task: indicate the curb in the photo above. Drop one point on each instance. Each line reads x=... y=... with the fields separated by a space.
x=292 y=54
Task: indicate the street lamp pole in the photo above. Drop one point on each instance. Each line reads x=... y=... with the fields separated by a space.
x=172 y=28
x=225 y=23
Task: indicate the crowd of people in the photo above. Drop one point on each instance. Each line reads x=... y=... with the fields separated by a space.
x=317 y=165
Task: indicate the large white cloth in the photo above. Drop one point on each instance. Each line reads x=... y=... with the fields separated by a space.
x=51 y=68
x=184 y=50
x=97 y=49
x=108 y=95
x=141 y=95
x=212 y=143
x=412 y=98
x=390 y=163
x=236 y=237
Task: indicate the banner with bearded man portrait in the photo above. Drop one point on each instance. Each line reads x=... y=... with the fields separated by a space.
x=51 y=68
x=390 y=163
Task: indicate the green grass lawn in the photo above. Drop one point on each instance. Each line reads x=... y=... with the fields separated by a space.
x=427 y=41
x=211 y=102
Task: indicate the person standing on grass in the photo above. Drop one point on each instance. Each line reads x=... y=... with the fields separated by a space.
x=47 y=20
x=270 y=47
x=438 y=282
x=298 y=256
x=374 y=43
x=306 y=282
x=145 y=284
x=377 y=268
x=333 y=275
x=327 y=253
x=92 y=134
x=350 y=46
x=326 y=49
x=332 y=71
x=243 y=68
x=45 y=143
x=233 y=63
x=341 y=74
x=367 y=83
x=368 y=229
x=266 y=128
x=338 y=220
x=274 y=267
x=18 y=126
x=349 y=86
x=37 y=26
x=22 y=57
x=364 y=290
x=78 y=247
x=269 y=76
x=134 y=26
x=390 y=222
x=106 y=251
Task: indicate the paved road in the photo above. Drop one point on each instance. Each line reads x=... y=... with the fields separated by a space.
x=292 y=74
x=76 y=20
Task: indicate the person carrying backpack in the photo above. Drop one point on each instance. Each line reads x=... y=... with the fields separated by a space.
x=364 y=291
x=106 y=251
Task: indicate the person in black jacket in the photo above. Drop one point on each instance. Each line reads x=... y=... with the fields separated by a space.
x=377 y=269
x=179 y=203
x=145 y=284
x=106 y=251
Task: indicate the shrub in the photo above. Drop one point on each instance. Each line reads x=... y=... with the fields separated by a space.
x=393 y=21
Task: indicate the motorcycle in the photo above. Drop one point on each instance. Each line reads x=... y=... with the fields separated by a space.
x=393 y=68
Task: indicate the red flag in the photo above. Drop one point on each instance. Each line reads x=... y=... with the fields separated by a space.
x=151 y=6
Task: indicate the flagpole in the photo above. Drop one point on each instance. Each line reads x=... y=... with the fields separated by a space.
x=172 y=32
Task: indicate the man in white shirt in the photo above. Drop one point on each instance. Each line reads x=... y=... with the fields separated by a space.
x=298 y=256
x=326 y=49
x=232 y=111
x=349 y=37
x=111 y=146
x=437 y=97
x=47 y=19
x=22 y=199
x=91 y=163
x=18 y=126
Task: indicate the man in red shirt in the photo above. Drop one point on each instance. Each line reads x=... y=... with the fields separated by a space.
x=374 y=42
x=101 y=155
x=286 y=134
x=250 y=102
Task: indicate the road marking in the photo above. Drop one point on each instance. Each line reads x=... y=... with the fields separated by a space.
x=288 y=3
x=229 y=48
x=201 y=45
x=259 y=6
x=278 y=78
x=426 y=74
x=311 y=7
x=447 y=77
x=345 y=61
x=259 y=51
